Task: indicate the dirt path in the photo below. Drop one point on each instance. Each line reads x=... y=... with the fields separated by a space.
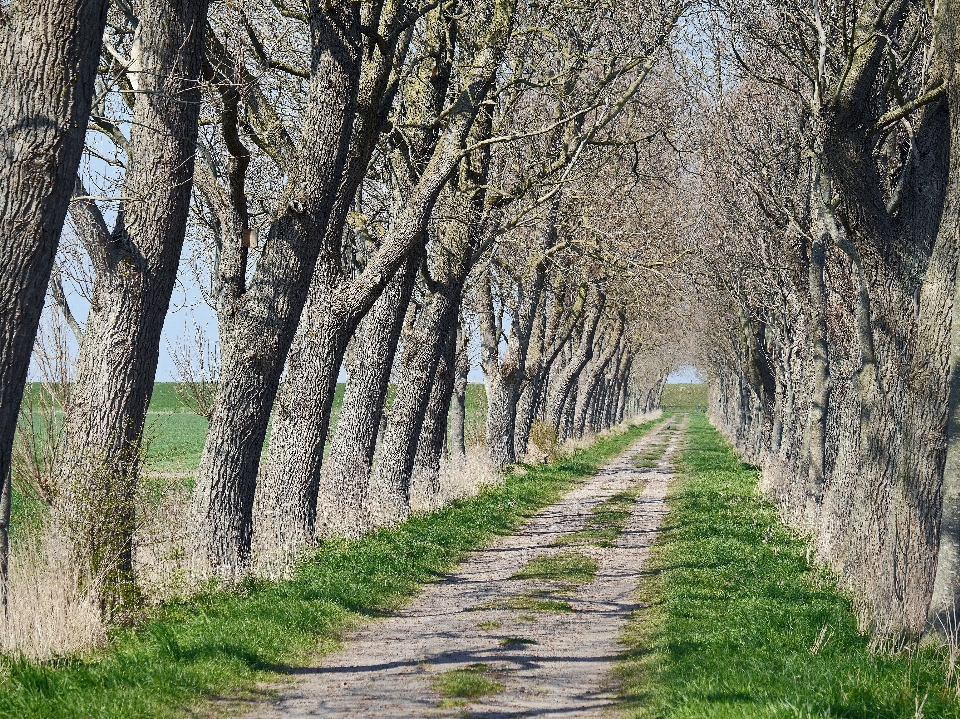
x=549 y=663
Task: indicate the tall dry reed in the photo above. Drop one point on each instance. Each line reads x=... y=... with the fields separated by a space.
x=51 y=608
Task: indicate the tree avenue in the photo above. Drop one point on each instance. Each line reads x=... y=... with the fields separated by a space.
x=569 y=200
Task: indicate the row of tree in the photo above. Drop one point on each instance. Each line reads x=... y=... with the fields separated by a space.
x=362 y=185
x=835 y=266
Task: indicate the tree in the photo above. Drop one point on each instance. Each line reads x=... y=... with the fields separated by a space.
x=135 y=267
x=49 y=62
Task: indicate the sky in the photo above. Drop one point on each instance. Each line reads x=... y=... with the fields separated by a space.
x=685 y=375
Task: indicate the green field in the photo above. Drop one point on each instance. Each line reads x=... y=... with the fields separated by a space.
x=739 y=625
x=176 y=435
x=685 y=397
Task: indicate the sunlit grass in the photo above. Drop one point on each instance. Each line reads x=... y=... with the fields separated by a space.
x=740 y=625
x=471 y=682
x=223 y=643
x=606 y=521
x=566 y=567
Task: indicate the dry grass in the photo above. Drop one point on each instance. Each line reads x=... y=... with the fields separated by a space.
x=161 y=544
x=47 y=615
x=460 y=477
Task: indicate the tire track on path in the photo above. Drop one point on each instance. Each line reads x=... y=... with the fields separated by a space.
x=562 y=665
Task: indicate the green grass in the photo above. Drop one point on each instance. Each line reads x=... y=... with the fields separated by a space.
x=684 y=397
x=606 y=521
x=470 y=682
x=566 y=567
x=741 y=626
x=224 y=643
x=650 y=457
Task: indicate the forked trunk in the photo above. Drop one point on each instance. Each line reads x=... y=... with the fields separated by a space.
x=135 y=272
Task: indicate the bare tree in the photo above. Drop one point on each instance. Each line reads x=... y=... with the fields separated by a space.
x=135 y=266
x=49 y=57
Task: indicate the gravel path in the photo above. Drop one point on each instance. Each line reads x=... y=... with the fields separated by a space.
x=561 y=665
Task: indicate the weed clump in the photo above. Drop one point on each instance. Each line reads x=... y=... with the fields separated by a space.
x=566 y=568
x=471 y=682
x=606 y=521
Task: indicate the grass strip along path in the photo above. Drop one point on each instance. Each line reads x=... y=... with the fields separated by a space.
x=223 y=643
x=740 y=625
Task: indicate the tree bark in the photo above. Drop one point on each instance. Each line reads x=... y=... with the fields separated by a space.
x=5 y=504
x=344 y=486
x=560 y=386
x=135 y=272
x=591 y=381
x=458 y=408
x=816 y=431
x=935 y=388
x=267 y=314
x=50 y=53
x=425 y=478
x=393 y=465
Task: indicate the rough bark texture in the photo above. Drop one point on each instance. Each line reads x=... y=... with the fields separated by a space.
x=344 y=487
x=265 y=319
x=505 y=376
x=856 y=364
x=423 y=348
x=287 y=491
x=50 y=53
x=458 y=406
x=938 y=387
x=425 y=477
x=563 y=383
x=591 y=381
x=135 y=270
x=5 y=505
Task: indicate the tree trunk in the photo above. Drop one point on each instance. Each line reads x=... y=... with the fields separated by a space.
x=458 y=408
x=816 y=431
x=936 y=391
x=504 y=379
x=395 y=457
x=266 y=318
x=343 y=492
x=561 y=386
x=50 y=53
x=591 y=380
x=5 y=503
x=425 y=479
x=135 y=272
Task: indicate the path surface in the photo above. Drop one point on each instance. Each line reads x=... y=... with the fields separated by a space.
x=387 y=668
